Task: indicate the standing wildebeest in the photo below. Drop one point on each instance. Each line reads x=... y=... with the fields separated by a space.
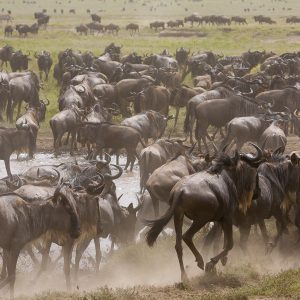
x=66 y=121
x=44 y=62
x=17 y=218
x=208 y=196
x=95 y=27
x=8 y=30
x=43 y=21
x=96 y=18
x=32 y=117
x=116 y=137
x=218 y=112
x=112 y=28
x=244 y=129
x=133 y=28
x=239 y=20
x=190 y=118
x=82 y=29
x=156 y=25
x=153 y=98
x=155 y=155
x=12 y=139
x=21 y=88
x=5 y=54
x=182 y=56
x=296 y=122
x=19 y=61
x=149 y=124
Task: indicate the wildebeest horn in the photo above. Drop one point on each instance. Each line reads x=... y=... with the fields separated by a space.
x=116 y=176
x=58 y=175
x=296 y=113
x=250 y=158
x=119 y=198
x=104 y=162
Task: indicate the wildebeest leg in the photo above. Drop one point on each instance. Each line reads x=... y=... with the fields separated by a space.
x=31 y=254
x=81 y=247
x=45 y=261
x=19 y=110
x=67 y=253
x=98 y=253
x=214 y=134
x=73 y=140
x=12 y=258
x=4 y=265
x=264 y=232
x=7 y=166
x=57 y=143
x=244 y=235
x=67 y=139
x=221 y=133
x=178 y=222
x=176 y=116
x=188 y=238
x=213 y=235
x=228 y=244
x=211 y=140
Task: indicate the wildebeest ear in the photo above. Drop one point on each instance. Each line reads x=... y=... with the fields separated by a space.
x=294 y=159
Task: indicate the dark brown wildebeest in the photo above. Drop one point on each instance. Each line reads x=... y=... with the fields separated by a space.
x=57 y=214
x=8 y=30
x=19 y=61
x=190 y=118
x=112 y=28
x=182 y=56
x=116 y=137
x=218 y=112
x=5 y=54
x=12 y=139
x=44 y=62
x=208 y=196
x=156 y=25
x=239 y=20
x=153 y=98
x=133 y=28
x=82 y=29
x=96 y=18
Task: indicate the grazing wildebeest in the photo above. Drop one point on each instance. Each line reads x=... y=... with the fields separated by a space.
x=44 y=62
x=208 y=196
x=57 y=214
x=156 y=25
x=112 y=28
x=12 y=139
x=96 y=18
x=82 y=29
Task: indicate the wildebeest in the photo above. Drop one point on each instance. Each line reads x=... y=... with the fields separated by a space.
x=209 y=196
x=23 y=87
x=156 y=25
x=96 y=18
x=133 y=28
x=123 y=138
x=112 y=28
x=44 y=62
x=12 y=139
x=8 y=30
x=43 y=21
x=155 y=155
x=19 y=61
x=5 y=54
x=82 y=29
x=181 y=56
x=239 y=20
x=149 y=124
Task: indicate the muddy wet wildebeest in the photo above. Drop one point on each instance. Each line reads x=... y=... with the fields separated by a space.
x=58 y=213
x=12 y=139
x=113 y=136
x=228 y=184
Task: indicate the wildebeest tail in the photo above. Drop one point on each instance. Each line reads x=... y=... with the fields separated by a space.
x=158 y=225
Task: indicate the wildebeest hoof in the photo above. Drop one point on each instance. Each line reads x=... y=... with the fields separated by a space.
x=200 y=264
x=184 y=278
x=210 y=267
x=269 y=248
x=224 y=260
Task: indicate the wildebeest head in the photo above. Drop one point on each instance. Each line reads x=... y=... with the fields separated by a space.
x=42 y=110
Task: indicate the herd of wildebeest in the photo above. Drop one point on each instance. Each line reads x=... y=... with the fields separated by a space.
x=95 y=27
x=230 y=104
